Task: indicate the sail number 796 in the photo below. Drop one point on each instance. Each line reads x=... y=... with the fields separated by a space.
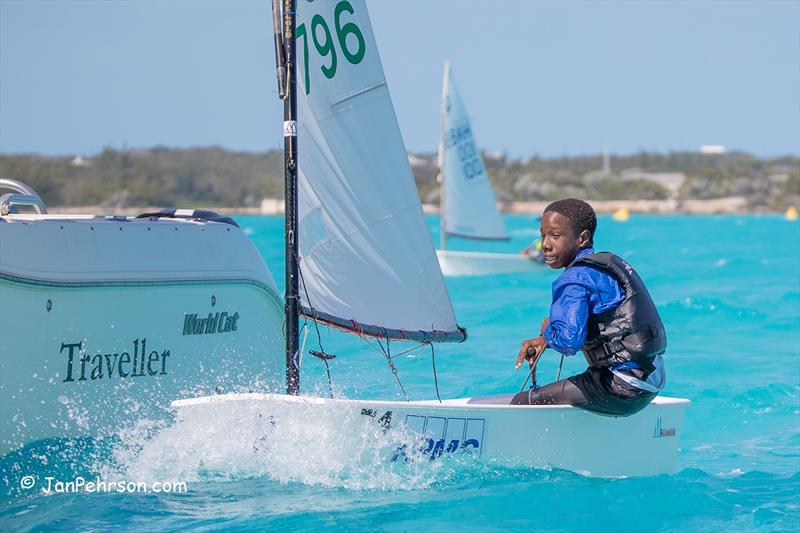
x=324 y=43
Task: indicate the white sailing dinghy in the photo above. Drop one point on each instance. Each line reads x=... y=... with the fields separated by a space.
x=367 y=265
x=468 y=207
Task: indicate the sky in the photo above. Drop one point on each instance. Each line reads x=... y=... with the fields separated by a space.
x=537 y=77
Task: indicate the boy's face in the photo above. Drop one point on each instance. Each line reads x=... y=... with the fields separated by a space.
x=560 y=244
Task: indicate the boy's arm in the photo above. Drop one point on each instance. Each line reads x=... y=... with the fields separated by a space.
x=569 y=313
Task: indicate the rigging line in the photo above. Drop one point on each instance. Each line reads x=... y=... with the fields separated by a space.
x=417 y=347
x=330 y=381
x=303 y=345
x=316 y=327
x=368 y=343
x=383 y=352
x=558 y=375
x=435 y=378
x=389 y=357
x=388 y=354
x=308 y=299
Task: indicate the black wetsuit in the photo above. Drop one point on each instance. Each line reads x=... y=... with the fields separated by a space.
x=627 y=337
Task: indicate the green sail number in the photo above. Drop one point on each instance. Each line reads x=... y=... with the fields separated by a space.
x=324 y=48
x=324 y=43
x=348 y=29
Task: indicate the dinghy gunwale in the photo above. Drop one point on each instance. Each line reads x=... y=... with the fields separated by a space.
x=435 y=404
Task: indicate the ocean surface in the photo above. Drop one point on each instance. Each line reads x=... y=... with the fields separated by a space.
x=728 y=289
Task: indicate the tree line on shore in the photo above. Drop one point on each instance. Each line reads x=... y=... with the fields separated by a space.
x=216 y=177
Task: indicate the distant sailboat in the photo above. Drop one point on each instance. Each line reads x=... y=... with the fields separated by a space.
x=366 y=264
x=468 y=205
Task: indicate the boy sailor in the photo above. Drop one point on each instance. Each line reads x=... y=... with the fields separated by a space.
x=600 y=306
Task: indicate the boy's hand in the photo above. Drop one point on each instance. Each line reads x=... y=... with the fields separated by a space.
x=545 y=323
x=537 y=345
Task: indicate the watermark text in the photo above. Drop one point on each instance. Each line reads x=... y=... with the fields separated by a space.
x=51 y=485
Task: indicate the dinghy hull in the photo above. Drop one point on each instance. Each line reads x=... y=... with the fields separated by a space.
x=483 y=264
x=563 y=437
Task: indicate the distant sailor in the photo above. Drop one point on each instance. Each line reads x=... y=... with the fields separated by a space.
x=534 y=249
x=600 y=306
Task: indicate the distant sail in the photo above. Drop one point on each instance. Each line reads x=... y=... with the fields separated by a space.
x=367 y=261
x=469 y=205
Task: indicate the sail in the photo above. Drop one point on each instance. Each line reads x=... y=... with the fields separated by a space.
x=468 y=203
x=367 y=262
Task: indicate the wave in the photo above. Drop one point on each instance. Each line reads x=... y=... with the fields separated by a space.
x=768 y=398
x=496 y=499
x=710 y=307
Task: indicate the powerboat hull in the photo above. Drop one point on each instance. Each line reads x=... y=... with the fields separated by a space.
x=105 y=320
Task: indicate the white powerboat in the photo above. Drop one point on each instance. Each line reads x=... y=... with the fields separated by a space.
x=106 y=319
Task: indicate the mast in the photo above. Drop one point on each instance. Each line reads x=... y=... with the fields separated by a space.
x=440 y=161
x=280 y=52
x=289 y=95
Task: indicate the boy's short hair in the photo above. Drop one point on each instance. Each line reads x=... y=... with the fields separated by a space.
x=580 y=214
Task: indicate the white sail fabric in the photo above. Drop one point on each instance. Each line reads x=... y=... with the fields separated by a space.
x=367 y=261
x=469 y=205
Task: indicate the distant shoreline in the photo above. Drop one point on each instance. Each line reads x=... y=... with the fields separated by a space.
x=676 y=182
x=729 y=205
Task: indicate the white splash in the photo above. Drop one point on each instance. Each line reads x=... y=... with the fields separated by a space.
x=313 y=444
x=736 y=472
x=76 y=413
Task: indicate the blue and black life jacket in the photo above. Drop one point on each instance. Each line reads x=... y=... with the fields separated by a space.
x=633 y=330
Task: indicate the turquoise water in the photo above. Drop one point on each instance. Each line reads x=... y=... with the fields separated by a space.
x=728 y=288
